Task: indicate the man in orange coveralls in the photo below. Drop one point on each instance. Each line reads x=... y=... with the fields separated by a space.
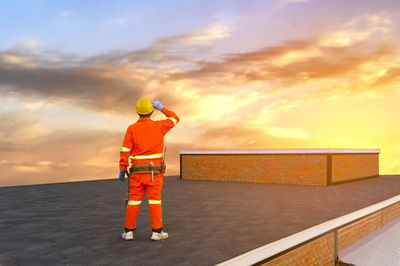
x=144 y=145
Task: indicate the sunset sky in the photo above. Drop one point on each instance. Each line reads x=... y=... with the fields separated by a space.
x=240 y=75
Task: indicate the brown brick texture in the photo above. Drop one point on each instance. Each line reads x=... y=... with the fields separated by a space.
x=354 y=232
x=354 y=166
x=302 y=169
x=316 y=252
x=321 y=250
x=390 y=213
x=263 y=168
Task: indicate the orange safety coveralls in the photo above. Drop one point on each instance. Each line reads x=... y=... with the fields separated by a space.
x=144 y=143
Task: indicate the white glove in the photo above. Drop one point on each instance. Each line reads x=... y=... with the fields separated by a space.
x=157 y=105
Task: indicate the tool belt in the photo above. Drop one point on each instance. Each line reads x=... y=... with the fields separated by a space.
x=146 y=168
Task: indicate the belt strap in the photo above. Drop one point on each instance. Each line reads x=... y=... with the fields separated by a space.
x=145 y=168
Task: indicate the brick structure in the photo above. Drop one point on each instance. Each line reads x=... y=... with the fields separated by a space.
x=321 y=250
x=354 y=166
x=354 y=232
x=295 y=166
x=317 y=252
x=390 y=213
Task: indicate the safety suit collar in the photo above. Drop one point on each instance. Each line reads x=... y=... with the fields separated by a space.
x=142 y=119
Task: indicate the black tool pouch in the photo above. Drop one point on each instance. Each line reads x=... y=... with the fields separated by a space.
x=163 y=168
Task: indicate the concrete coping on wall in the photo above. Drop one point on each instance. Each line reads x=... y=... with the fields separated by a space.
x=267 y=251
x=284 y=151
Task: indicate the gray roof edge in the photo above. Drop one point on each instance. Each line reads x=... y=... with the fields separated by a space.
x=282 y=151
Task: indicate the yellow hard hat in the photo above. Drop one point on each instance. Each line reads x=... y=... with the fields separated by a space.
x=144 y=106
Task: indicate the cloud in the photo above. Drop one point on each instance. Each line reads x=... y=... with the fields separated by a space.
x=298 y=62
x=64 y=13
x=16 y=60
x=248 y=100
x=31 y=45
x=178 y=71
x=67 y=155
x=358 y=30
x=17 y=127
x=36 y=167
x=180 y=65
x=248 y=136
x=291 y=133
x=170 y=54
x=389 y=78
x=115 y=22
x=84 y=87
x=231 y=137
x=284 y=67
x=297 y=1
x=216 y=31
x=60 y=156
x=33 y=154
x=185 y=65
x=108 y=82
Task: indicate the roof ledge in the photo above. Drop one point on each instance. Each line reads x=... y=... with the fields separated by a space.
x=284 y=151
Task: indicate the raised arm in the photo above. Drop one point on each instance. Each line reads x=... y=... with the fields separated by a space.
x=172 y=118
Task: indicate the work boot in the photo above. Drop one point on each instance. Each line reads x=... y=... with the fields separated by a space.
x=127 y=235
x=159 y=236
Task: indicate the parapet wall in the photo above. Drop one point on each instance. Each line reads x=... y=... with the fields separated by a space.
x=354 y=166
x=320 y=245
x=321 y=251
x=294 y=166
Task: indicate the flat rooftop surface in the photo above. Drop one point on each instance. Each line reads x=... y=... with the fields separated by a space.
x=209 y=222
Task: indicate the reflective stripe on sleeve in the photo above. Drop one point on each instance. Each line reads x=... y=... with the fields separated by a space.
x=125 y=149
x=150 y=156
x=134 y=202
x=154 y=201
x=173 y=120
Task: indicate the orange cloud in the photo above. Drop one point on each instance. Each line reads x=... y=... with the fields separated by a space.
x=300 y=94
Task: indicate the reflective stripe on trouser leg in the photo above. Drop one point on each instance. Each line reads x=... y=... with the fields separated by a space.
x=136 y=194
x=134 y=202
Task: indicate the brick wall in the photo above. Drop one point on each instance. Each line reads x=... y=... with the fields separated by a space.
x=390 y=213
x=307 y=169
x=317 y=252
x=354 y=166
x=354 y=232
x=321 y=250
x=303 y=169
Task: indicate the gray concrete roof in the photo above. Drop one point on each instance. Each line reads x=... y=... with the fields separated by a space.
x=80 y=223
x=379 y=248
